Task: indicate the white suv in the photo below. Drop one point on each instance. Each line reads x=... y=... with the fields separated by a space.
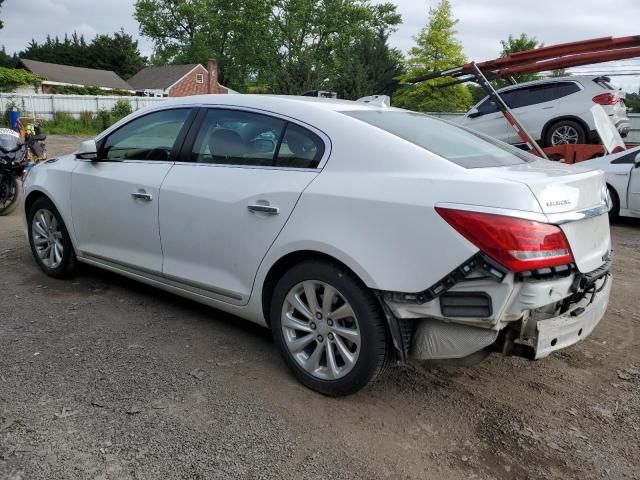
x=554 y=110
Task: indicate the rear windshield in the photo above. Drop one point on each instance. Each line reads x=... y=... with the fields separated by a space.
x=458 y=145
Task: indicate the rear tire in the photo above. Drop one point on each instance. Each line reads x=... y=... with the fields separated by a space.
x=49 y=240
x=9 y=189
x=563 y=132
x=329 y=328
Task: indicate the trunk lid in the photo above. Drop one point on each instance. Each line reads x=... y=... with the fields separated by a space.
x=562 y=192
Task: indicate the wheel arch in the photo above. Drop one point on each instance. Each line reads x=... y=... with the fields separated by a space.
x=284 y=263
x=555 y=120
x=32 y=197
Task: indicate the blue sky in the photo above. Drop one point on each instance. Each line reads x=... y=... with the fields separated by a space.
x=483 y=23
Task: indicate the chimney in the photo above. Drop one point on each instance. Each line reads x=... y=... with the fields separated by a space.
x=212 y=68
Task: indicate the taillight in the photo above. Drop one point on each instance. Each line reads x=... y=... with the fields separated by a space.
x=516 y=243
x=606 y=99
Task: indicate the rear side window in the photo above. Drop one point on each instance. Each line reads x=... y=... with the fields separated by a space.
x=235 y=137
x=454 y=143
x=300 y=148
x=536 y=94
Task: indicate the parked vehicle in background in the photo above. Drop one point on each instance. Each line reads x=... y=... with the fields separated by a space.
x=359 y=234
x=554 y=111
x=622 y=172
x=14 y=158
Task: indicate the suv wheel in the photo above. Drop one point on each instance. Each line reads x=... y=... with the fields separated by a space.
x=563 y=132
x=49 y=240
x=329 y=328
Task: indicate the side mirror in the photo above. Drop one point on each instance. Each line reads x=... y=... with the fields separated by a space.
x=636 y=161
x=474 y=112
x=87 y=151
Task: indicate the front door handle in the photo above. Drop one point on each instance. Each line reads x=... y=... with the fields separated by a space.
x=142 y=195
x=268 y=209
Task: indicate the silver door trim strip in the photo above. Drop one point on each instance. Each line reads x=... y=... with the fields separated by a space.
x=159 y=276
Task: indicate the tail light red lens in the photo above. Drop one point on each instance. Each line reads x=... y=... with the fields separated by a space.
x=516 y=243
x=606 y=99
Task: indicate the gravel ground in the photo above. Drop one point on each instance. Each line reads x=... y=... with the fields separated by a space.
x=101 y=377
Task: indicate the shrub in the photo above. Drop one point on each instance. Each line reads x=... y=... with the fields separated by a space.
x=121 y=109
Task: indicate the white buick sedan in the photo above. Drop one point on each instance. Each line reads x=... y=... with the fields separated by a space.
x=359 y=234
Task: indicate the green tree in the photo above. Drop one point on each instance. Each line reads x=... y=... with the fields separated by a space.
x=286 y=46
x=633 y=102
x=520 y=44
x=118 y=53
x=436 y=49
x=367 y=66
x=236 y=33
x=7 y=60
x=310 y=37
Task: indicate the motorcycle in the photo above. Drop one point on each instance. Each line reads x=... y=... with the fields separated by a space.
x=15 y=157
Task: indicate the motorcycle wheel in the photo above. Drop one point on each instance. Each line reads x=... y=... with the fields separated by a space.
x=9 y=193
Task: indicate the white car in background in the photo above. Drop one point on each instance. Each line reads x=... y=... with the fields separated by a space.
x=359 y=234
x=554 y=111
x=622 y=172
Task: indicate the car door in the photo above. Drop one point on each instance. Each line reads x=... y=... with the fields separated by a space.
x=487 y=119
x=240 y=176
x=115 y=198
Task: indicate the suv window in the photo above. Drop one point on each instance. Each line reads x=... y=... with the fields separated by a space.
x=488 y=106
x=234 y=137
x=150 y=137
x=456 y=144
x=534 y=94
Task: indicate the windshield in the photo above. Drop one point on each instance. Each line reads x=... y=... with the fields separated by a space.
x=9 y=140
x=458 y=145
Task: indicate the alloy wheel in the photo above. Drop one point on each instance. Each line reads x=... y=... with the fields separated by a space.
x=321 y=330
x=564 y=134
x=47 y=238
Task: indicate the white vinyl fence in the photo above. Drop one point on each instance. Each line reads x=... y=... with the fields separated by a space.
x=44 y=106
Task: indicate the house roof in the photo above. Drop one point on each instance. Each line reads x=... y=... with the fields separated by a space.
x=54 y=72
x=160 y=78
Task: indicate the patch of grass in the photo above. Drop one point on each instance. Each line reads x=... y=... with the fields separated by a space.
x=87 y=123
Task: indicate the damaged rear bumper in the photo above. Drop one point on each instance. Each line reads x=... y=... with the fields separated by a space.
x=534 y=317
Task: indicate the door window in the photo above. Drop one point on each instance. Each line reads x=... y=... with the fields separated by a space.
x=487 y=107
x=234 y=137
x=150 y=137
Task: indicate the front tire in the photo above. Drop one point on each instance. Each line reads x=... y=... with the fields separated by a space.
x=49 y=240
x=329 y=328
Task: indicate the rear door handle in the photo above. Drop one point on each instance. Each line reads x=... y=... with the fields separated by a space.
x=268 y=209
x=142 y=195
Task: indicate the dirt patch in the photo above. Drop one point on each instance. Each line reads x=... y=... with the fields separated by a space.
x=101 y=377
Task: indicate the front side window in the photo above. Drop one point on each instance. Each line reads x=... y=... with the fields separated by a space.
x=234 y=137
x=456 y=144
x=150 y=137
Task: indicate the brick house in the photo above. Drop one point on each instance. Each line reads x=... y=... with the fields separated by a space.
x=178 y=81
